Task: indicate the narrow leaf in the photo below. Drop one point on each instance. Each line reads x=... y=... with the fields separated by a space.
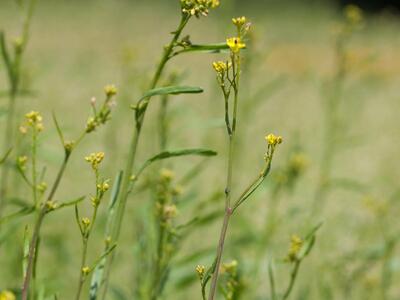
x=172 y=90
x=176 y=153
x=213 y=48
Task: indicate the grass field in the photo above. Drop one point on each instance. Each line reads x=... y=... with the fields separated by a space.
x=345 y=178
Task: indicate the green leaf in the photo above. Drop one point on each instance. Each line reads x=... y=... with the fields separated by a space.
x=213 y=48
x=5 y=156
x=4 y=53
x=271 y=280
x=172 y=90
x=20 y=213
x=59 y=131
x=70 y=203
x=176 y=153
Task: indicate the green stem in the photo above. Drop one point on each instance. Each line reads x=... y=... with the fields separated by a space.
x=83 y=264
x=36 y=232
x=228 y=192
x=293 y=276
x=125 y=187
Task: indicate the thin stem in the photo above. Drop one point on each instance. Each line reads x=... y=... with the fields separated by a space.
x=125 y=187
x=228 y=192
x=36 y=232
x=293 y=276
x=83 y=264
x=34 y=174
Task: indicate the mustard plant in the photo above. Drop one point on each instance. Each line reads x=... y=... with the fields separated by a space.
x=177 y=45
x=99 y=117
x=228 y=77
x=86 y=224
x=13 y=61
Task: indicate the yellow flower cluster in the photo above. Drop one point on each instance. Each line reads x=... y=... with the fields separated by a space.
x=104 y=186
x=273 y=140
x=170 y=211
x=167 y=174
x=230 y=267
x=110 y=90
x=85 y=270
x=198 y=7
x=200 y=269
x=21 y=161
x=353 y=14
x=7 y=295
x=95 y=159
x=85 y=222
x=221 y=67
x=239 y=22
x=295 y=246
x=235 y=44
x=33 y=120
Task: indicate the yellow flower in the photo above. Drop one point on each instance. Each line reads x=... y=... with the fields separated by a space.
x=85 y=270
x=86 y=222
x=295 y=246
x=170 y=211
x=214 y=3
x=33 y=117
x=235 y=44
x=221 y=67
x=7 y=295
x=110 y=90
x=273 y=140
x=167 y=174
x=353 y=13
x=200 y=269
x=21 y=161
x=95 y=159
x=239 y=22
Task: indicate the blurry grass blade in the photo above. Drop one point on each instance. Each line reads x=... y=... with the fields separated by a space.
x=59 y=131
x=25 y=251
x=271 y=280
x=97 y=277
x=4 y=53
x=176 y=153
x=172 y=90
x=5 y=156
x=20 y=213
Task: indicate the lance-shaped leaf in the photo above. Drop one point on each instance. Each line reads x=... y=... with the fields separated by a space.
x=176 y=153
x=213 y=48
x=172 y=90
x=20 y=213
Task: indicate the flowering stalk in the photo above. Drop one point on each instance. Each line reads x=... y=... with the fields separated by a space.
x=189 y=8
x=228 y=76
x=229 y=73
x=48 y=205
x=86 y=224
x=13 y=67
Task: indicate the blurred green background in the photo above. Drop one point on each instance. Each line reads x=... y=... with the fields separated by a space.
x=77 y=47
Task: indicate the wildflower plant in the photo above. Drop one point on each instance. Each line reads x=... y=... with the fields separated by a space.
x=228 y=77
x=34 y=122
x=86 y=224
x=13 y=62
